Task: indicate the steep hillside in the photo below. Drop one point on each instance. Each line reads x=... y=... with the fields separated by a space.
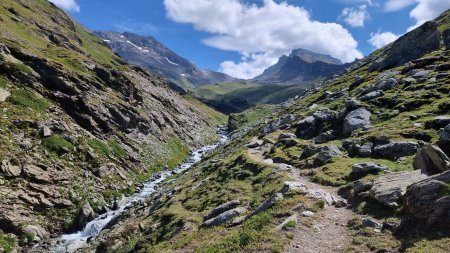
x=79 y=126
x=300 y=66
x=153 y=56
x=361 y=165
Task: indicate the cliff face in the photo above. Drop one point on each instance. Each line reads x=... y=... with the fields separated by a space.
x=78 y=124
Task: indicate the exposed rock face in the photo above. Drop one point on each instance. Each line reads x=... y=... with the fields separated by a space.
x=326 y=153
x=372 y=95
x=150 y=54
x=278 y=123
x=431 y=160
x=224 y=217
x=357 y=119
x=444 y=133
x=390 y=188
x=413 y=45
x=267 y=204
x=10 y=170
x=429 y=200
x=369 y=167
x=222 y=208
x=85 y=215
x=396 y=149
x=446 y=37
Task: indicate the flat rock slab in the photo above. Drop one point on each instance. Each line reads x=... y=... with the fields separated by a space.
x=390 y=188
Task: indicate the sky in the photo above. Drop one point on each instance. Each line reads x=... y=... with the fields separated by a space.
x=244 y=37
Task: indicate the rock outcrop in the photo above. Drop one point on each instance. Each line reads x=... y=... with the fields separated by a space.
x=357 y=119
x=429 y=199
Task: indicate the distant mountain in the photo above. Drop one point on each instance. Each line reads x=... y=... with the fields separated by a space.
x=153 y=56
x=300 y=66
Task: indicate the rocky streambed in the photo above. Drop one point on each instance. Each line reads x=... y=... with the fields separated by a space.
x=75 y=241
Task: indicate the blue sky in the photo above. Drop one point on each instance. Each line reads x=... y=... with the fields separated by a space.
x=243 y=37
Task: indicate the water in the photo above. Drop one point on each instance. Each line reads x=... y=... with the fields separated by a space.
x=72 y=242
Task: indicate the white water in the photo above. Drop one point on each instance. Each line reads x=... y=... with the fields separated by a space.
x=72 y=242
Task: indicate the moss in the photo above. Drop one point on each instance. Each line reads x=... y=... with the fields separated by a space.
x=56 y=143
x=289 y=225
x=116 y=149
x=18 y=68
x=7 y=242
x=99 y=147
x=28 y=99
x=444 y=190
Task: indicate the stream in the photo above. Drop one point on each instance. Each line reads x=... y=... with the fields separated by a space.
x=75 y=241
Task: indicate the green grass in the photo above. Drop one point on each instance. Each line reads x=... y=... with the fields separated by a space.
x=427 y=246
x=3 y=82
x=218 y=117
x=116 y=149
x=55 y=143
x=28 y=99
x=18 y=68
x=249 y=117
x=289 y=225
x=99 y=146
x=7 y=242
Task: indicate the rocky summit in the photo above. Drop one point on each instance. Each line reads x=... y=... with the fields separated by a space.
x=98 y=155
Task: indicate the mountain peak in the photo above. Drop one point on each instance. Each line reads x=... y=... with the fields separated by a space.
x=312 y=57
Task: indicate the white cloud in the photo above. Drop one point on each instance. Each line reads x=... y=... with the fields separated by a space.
x=355 y=16
x=261 y=33
x=379 y=39
x=395 y=5
x=70 y=5
x=423 y=11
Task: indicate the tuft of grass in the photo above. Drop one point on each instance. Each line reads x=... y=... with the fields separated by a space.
x=28 y=99
x=289 y=225
x=2 y=82
x=99 y=147
x=435 y=246
x=7 y=242
x=18 y=68
x=55 y=143
x=116 y=149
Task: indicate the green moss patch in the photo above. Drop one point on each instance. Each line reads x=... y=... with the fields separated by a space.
x=28 y=99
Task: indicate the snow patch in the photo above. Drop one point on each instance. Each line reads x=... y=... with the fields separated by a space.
x=171 y=62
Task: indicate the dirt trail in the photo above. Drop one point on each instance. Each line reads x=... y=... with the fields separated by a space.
x=329 y=232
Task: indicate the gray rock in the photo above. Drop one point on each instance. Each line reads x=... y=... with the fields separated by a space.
x=287 y=136
x=36 y=174
x=444 y=133
x=278 y=124
x=320 y=194
x=36 y=231
x=222 y=208
x=26 y=144
x=352 y=104
x=421 y=74
x=4 y=94
x=371 y=223
x=431 y=160
x=362 y=186
x=438 y=122
x=292 y=218
x=224 y=217
x=306 y=127
x=46 y=132
x=446 y=38
x=428 y=201
x=85 y=215
x=386 y=84
x=309 y=151
x=326 y=153
x=357 y=119
x=10 y=170
x=291 y=186
x=372 y=95
x=389 y=189
x=366 y=149
x=308 y=214
x=411 y=46
x=267 y=204
x=255 y=144
x=368 y=167
x=396 y=149
x=340 y=203
x=325 y=137
x=325 y=115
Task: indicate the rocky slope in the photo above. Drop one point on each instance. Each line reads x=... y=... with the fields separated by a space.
x=377 y=135
x=153 y=56
x=80 y=127
x=300 y=66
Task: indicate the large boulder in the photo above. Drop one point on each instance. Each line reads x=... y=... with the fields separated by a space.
x=85 y=215
x=279 y=123
x=438 y=122
x=372 y=95
x=326 y=153
x=368 y=167
x=431 y=160
x=429 y=200
x=224 y=217
x=388 y=189
x=411 y=46
x=10 y=170
x=357 y=119
x=306 y=127
x=396 y=149
x=223 y=208
x=444 y=133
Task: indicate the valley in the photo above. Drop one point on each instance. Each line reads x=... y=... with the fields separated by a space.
x=101 y=153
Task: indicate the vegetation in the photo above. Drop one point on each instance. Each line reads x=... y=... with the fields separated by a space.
x=7 y=243
x=56 y=143
x=28 y=99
